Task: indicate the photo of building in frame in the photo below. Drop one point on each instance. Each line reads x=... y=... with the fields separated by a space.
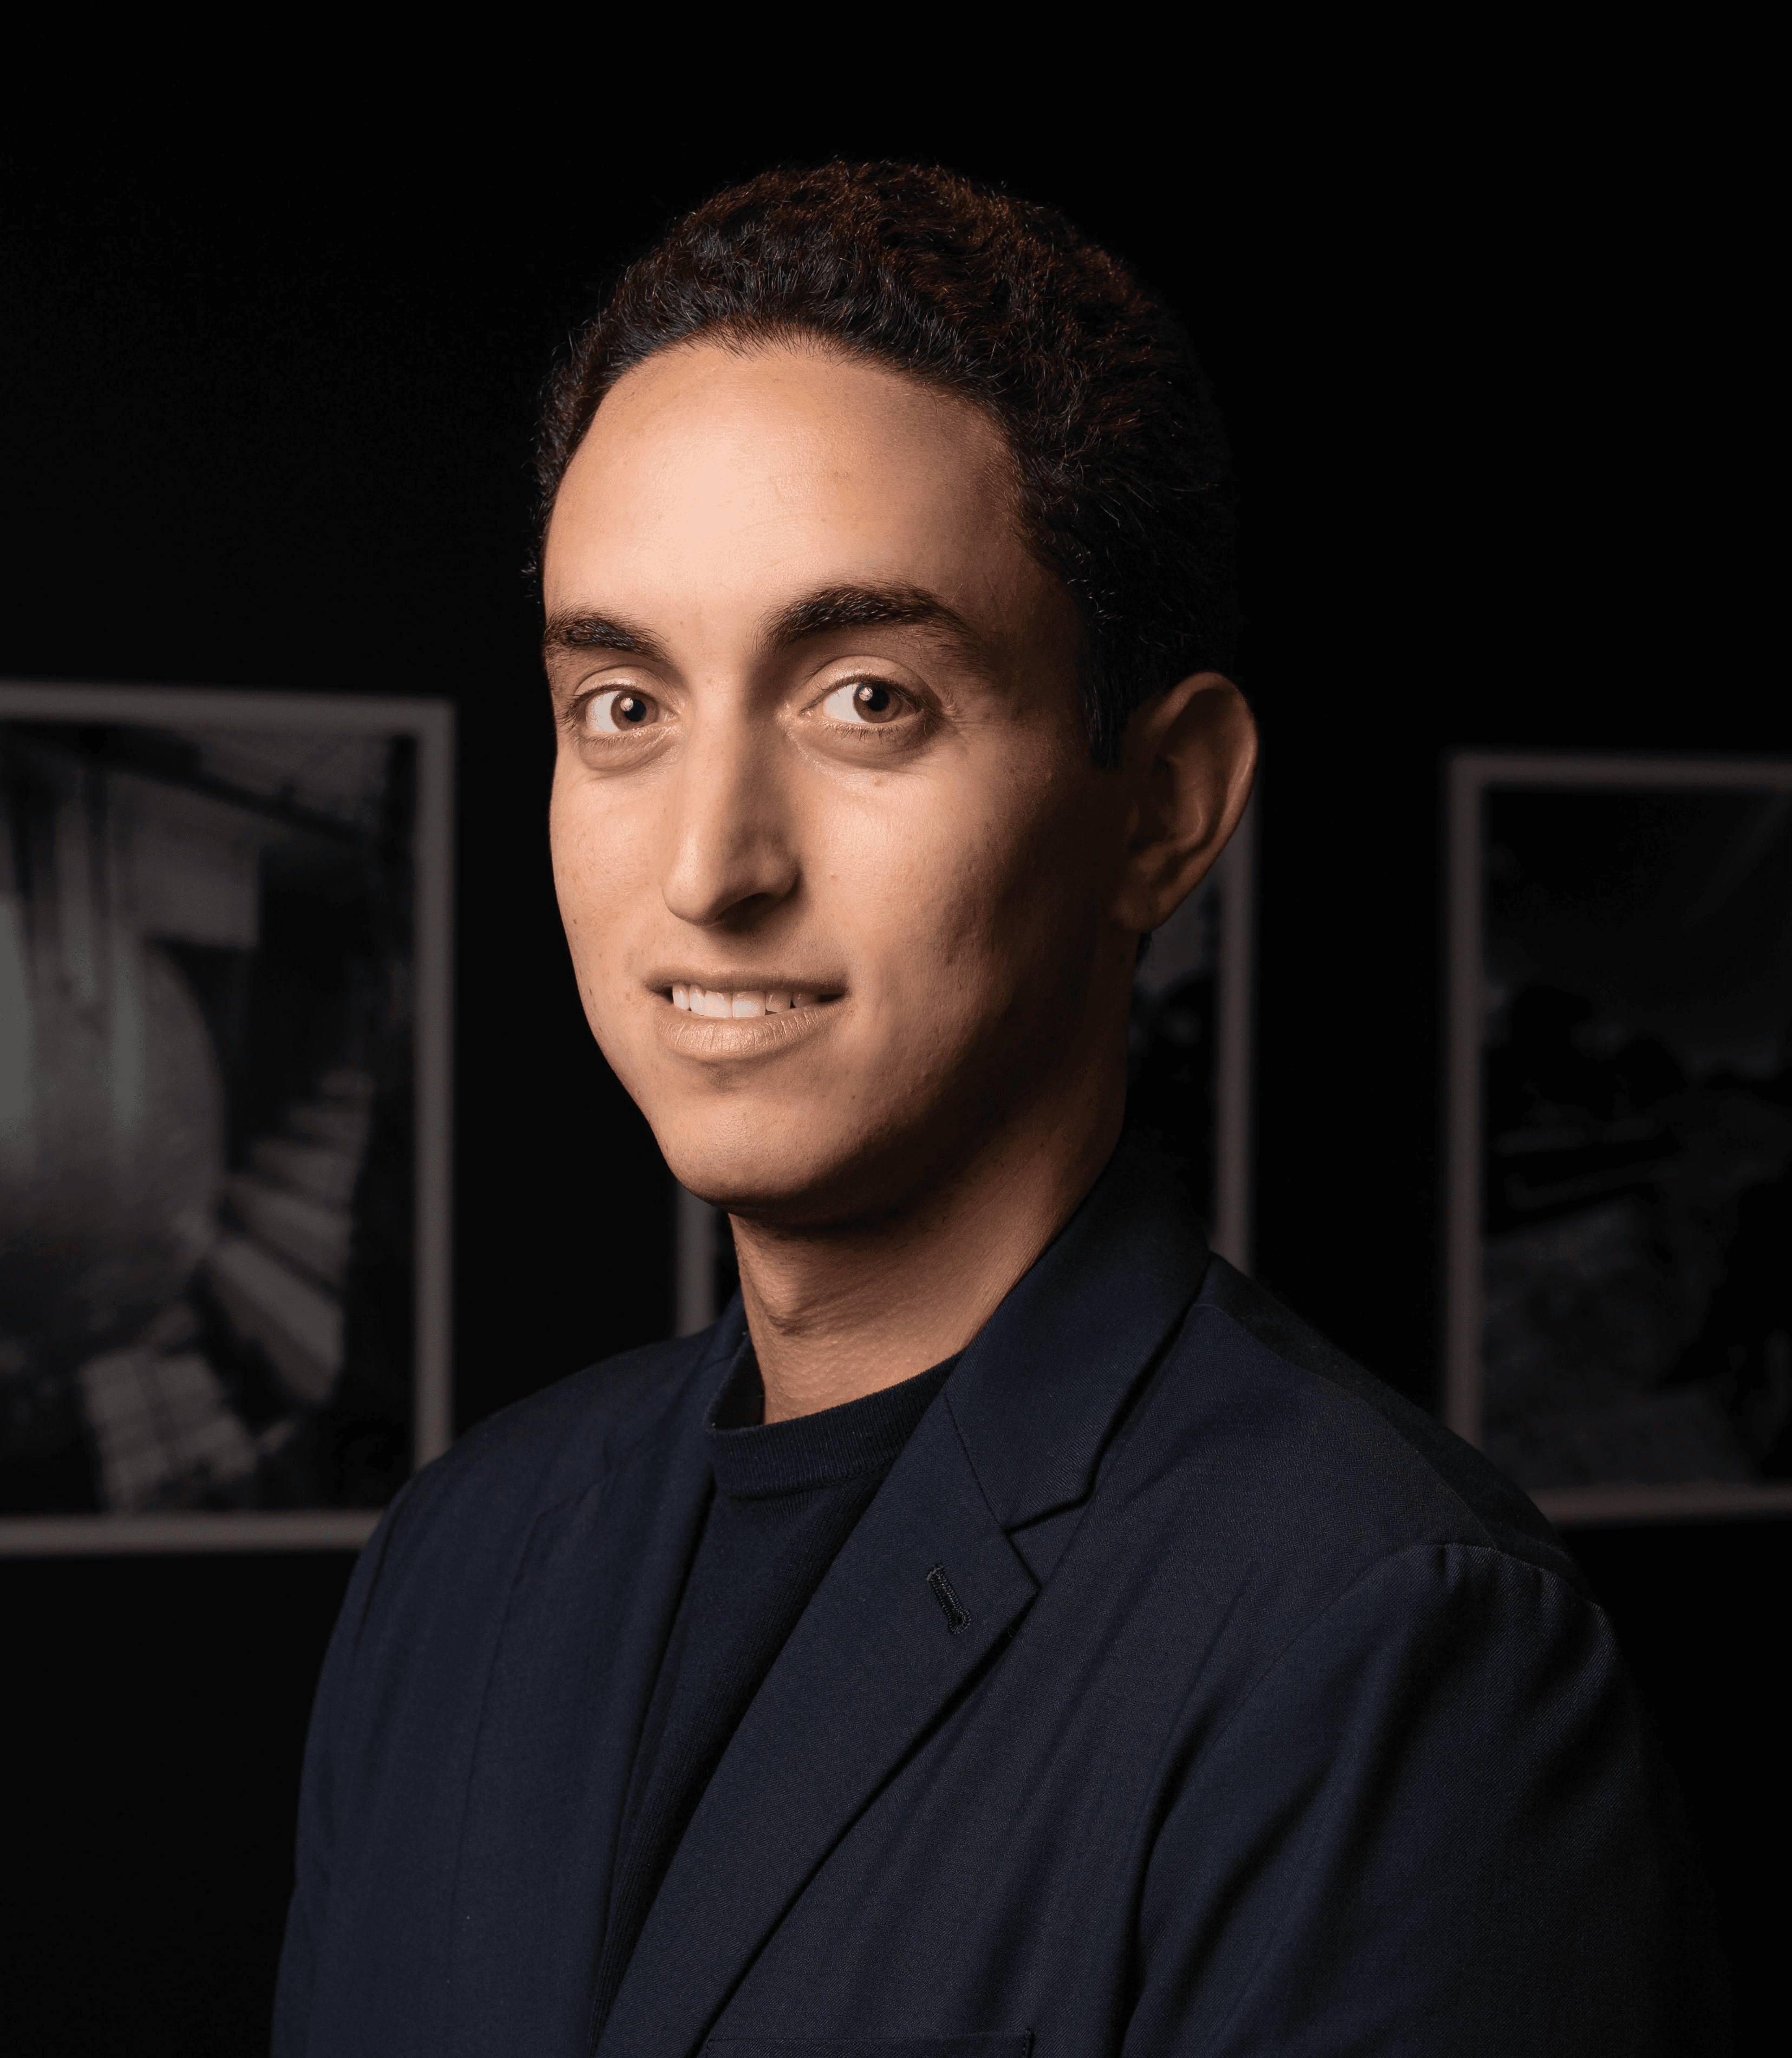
x=224 y=1148
x=1619 y=1181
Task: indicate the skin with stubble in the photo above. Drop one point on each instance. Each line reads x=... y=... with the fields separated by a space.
x=853 y=912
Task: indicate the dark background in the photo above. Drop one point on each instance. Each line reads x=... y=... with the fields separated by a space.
x=1492 y=358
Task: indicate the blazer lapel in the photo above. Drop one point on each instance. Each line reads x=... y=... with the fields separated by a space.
x=921 y=1595
x=589 y=1610
x=919 y=1598
x=1040 y=1394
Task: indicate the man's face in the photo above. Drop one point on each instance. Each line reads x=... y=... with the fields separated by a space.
x=822 y=772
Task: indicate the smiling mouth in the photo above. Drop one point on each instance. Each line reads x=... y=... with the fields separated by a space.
x=722 y=1004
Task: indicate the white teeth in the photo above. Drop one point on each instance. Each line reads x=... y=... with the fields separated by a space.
x=724 y=1007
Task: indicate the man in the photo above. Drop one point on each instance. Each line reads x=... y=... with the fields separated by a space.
x=1008 y=1628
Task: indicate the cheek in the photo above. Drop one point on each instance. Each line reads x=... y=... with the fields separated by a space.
x=569 y=848
x=591 y=855
x=961 y=900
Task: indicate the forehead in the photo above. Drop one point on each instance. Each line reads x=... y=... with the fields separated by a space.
x=741 y=474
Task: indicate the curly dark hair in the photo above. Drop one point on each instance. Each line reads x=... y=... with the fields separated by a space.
x=1125 y=479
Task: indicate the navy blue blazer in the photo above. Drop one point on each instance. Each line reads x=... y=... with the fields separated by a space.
x=1280 y=1723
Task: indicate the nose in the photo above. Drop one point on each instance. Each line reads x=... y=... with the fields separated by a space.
x=731 y=855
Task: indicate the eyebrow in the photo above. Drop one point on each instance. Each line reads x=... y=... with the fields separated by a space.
x=870 y=607
x=599 y=632
x=819 y=613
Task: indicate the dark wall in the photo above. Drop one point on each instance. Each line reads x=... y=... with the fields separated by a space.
x=1492 y=383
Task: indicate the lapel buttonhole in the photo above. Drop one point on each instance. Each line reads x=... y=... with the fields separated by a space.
x=950 y=1607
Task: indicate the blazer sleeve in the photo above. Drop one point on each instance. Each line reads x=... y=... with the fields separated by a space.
x=301 y=1952
x=1438 y=1825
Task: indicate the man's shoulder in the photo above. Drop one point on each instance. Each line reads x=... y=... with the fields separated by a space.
x=556 y=1443
x=592 y=1418
x=1293 y=1439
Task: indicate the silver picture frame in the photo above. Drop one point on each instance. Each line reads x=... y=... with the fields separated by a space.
x=225 y=1114
x=1619 y=1130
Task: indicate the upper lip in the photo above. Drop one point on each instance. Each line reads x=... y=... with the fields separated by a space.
x=738 y=982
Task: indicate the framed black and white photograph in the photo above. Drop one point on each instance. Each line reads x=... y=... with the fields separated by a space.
x=1620 y=1201
x=224 y=1149
x=1189 y=1073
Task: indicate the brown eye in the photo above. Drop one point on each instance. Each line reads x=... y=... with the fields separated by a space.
x=616 y=713
x=864 y=704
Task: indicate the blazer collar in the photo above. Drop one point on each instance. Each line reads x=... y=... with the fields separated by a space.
x=921 y=1596
x=1038 y=1391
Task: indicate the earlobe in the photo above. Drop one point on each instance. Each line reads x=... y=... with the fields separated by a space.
x=1191 y=754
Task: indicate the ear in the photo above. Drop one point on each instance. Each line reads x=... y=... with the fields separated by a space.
x=1189 y=756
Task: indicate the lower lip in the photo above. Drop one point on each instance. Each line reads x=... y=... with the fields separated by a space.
x=744 y=1035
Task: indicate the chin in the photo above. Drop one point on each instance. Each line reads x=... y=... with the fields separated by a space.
x=790 y=1169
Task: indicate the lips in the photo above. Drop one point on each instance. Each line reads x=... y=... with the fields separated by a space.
x=729 y=1023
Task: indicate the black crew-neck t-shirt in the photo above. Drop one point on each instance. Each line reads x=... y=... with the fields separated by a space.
x=787 y=1496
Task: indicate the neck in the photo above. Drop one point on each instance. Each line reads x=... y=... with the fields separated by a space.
x=840 y=1312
